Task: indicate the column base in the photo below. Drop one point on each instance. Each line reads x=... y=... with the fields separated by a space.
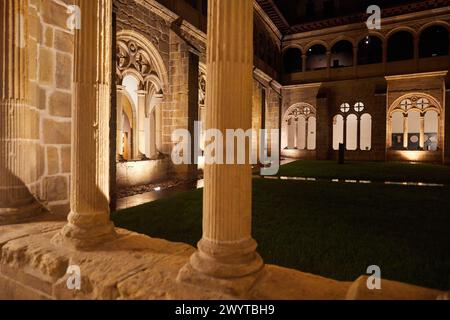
x=17 y=215
x=232 y=269
x=85 y=231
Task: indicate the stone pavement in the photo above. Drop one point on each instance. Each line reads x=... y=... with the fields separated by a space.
x=135 y=266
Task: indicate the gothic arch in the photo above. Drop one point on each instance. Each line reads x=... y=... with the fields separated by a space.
x=433 y=103
x=146 y=59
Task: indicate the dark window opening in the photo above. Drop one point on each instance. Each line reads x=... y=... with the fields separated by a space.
x=342 y=54
x=370 y=50
x=316 y=58
x=434 y=42
x=292 y=60
x=401 y=46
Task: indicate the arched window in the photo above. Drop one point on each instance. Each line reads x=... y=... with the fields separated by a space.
x=342 y=54
x=316 y=58
x=414 y=123
x=400 y=46
x=413 y=130
x=370 y=50
x=129 y=103
x=397 y=130
x=352 y=132
x=338 y=131
x=357 y=127
x=292 y=60
x=143 y=76
x=366 y=132
x=434 y=42
x=312 y=133
x=431 y=130
x=300 y=127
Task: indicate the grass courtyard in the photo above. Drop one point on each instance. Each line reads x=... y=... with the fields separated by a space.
x=373 y=171
x=331 y=229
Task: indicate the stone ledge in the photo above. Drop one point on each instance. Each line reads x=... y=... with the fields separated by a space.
x=139 y=267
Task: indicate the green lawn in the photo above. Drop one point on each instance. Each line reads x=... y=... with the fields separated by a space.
x=374 y=171
x=331 y=229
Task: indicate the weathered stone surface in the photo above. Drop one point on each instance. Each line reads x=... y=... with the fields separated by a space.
x=52 y=160
x=55 y=188
x=46 y=66
x=54 y=14
x=60 y=104
x=65 y=159
x=135 y=266
x=390 y=290
x=63 y=41
x=63 y=71
x=56 y=132
x=48 y=37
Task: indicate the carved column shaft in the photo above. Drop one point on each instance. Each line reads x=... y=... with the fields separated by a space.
x=89 y=218
x=119 y=138
x=19 y=124
x=422 y=131
x=405 y=131
x=227 y=256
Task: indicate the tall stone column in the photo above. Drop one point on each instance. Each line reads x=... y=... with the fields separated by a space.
x=88 y=221
x=119 y=142
x=422 y=131
x=226 y=259
x=141 y=136
x=304 y=62
x=19 y=124
x=405 y=131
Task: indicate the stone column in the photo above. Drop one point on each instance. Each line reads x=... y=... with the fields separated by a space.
x=88 y=221
x=405 y=131
x=140 y=121
x=19 y=123
x=422 y=131
x=120 y=93
x=226 y=259
x=328 y=64
x=306 y=132
x=304 y=62
x=358 y=132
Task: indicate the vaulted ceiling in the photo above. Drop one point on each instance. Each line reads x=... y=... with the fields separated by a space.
x=293 y=16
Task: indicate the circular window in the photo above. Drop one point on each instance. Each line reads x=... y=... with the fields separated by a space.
x=406 y=104
x=345 y=107
x=359 y=106
x=307 y=111
x=423 y=103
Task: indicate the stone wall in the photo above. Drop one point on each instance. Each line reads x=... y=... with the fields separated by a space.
x=327 y=99
x=51 y=58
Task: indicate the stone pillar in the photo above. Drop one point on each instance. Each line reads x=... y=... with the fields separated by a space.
x=88 y=221
x=422 y=131
x=358 y=132
x=328 y=64
x=193 y=88
x=226 y=259
x=140 y=121
x=405 y=131
x=120 y=93
x=19 y=123
x=304 y=62
x=306 y=132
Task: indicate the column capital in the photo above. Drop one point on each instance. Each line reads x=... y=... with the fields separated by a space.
x=141 y=93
